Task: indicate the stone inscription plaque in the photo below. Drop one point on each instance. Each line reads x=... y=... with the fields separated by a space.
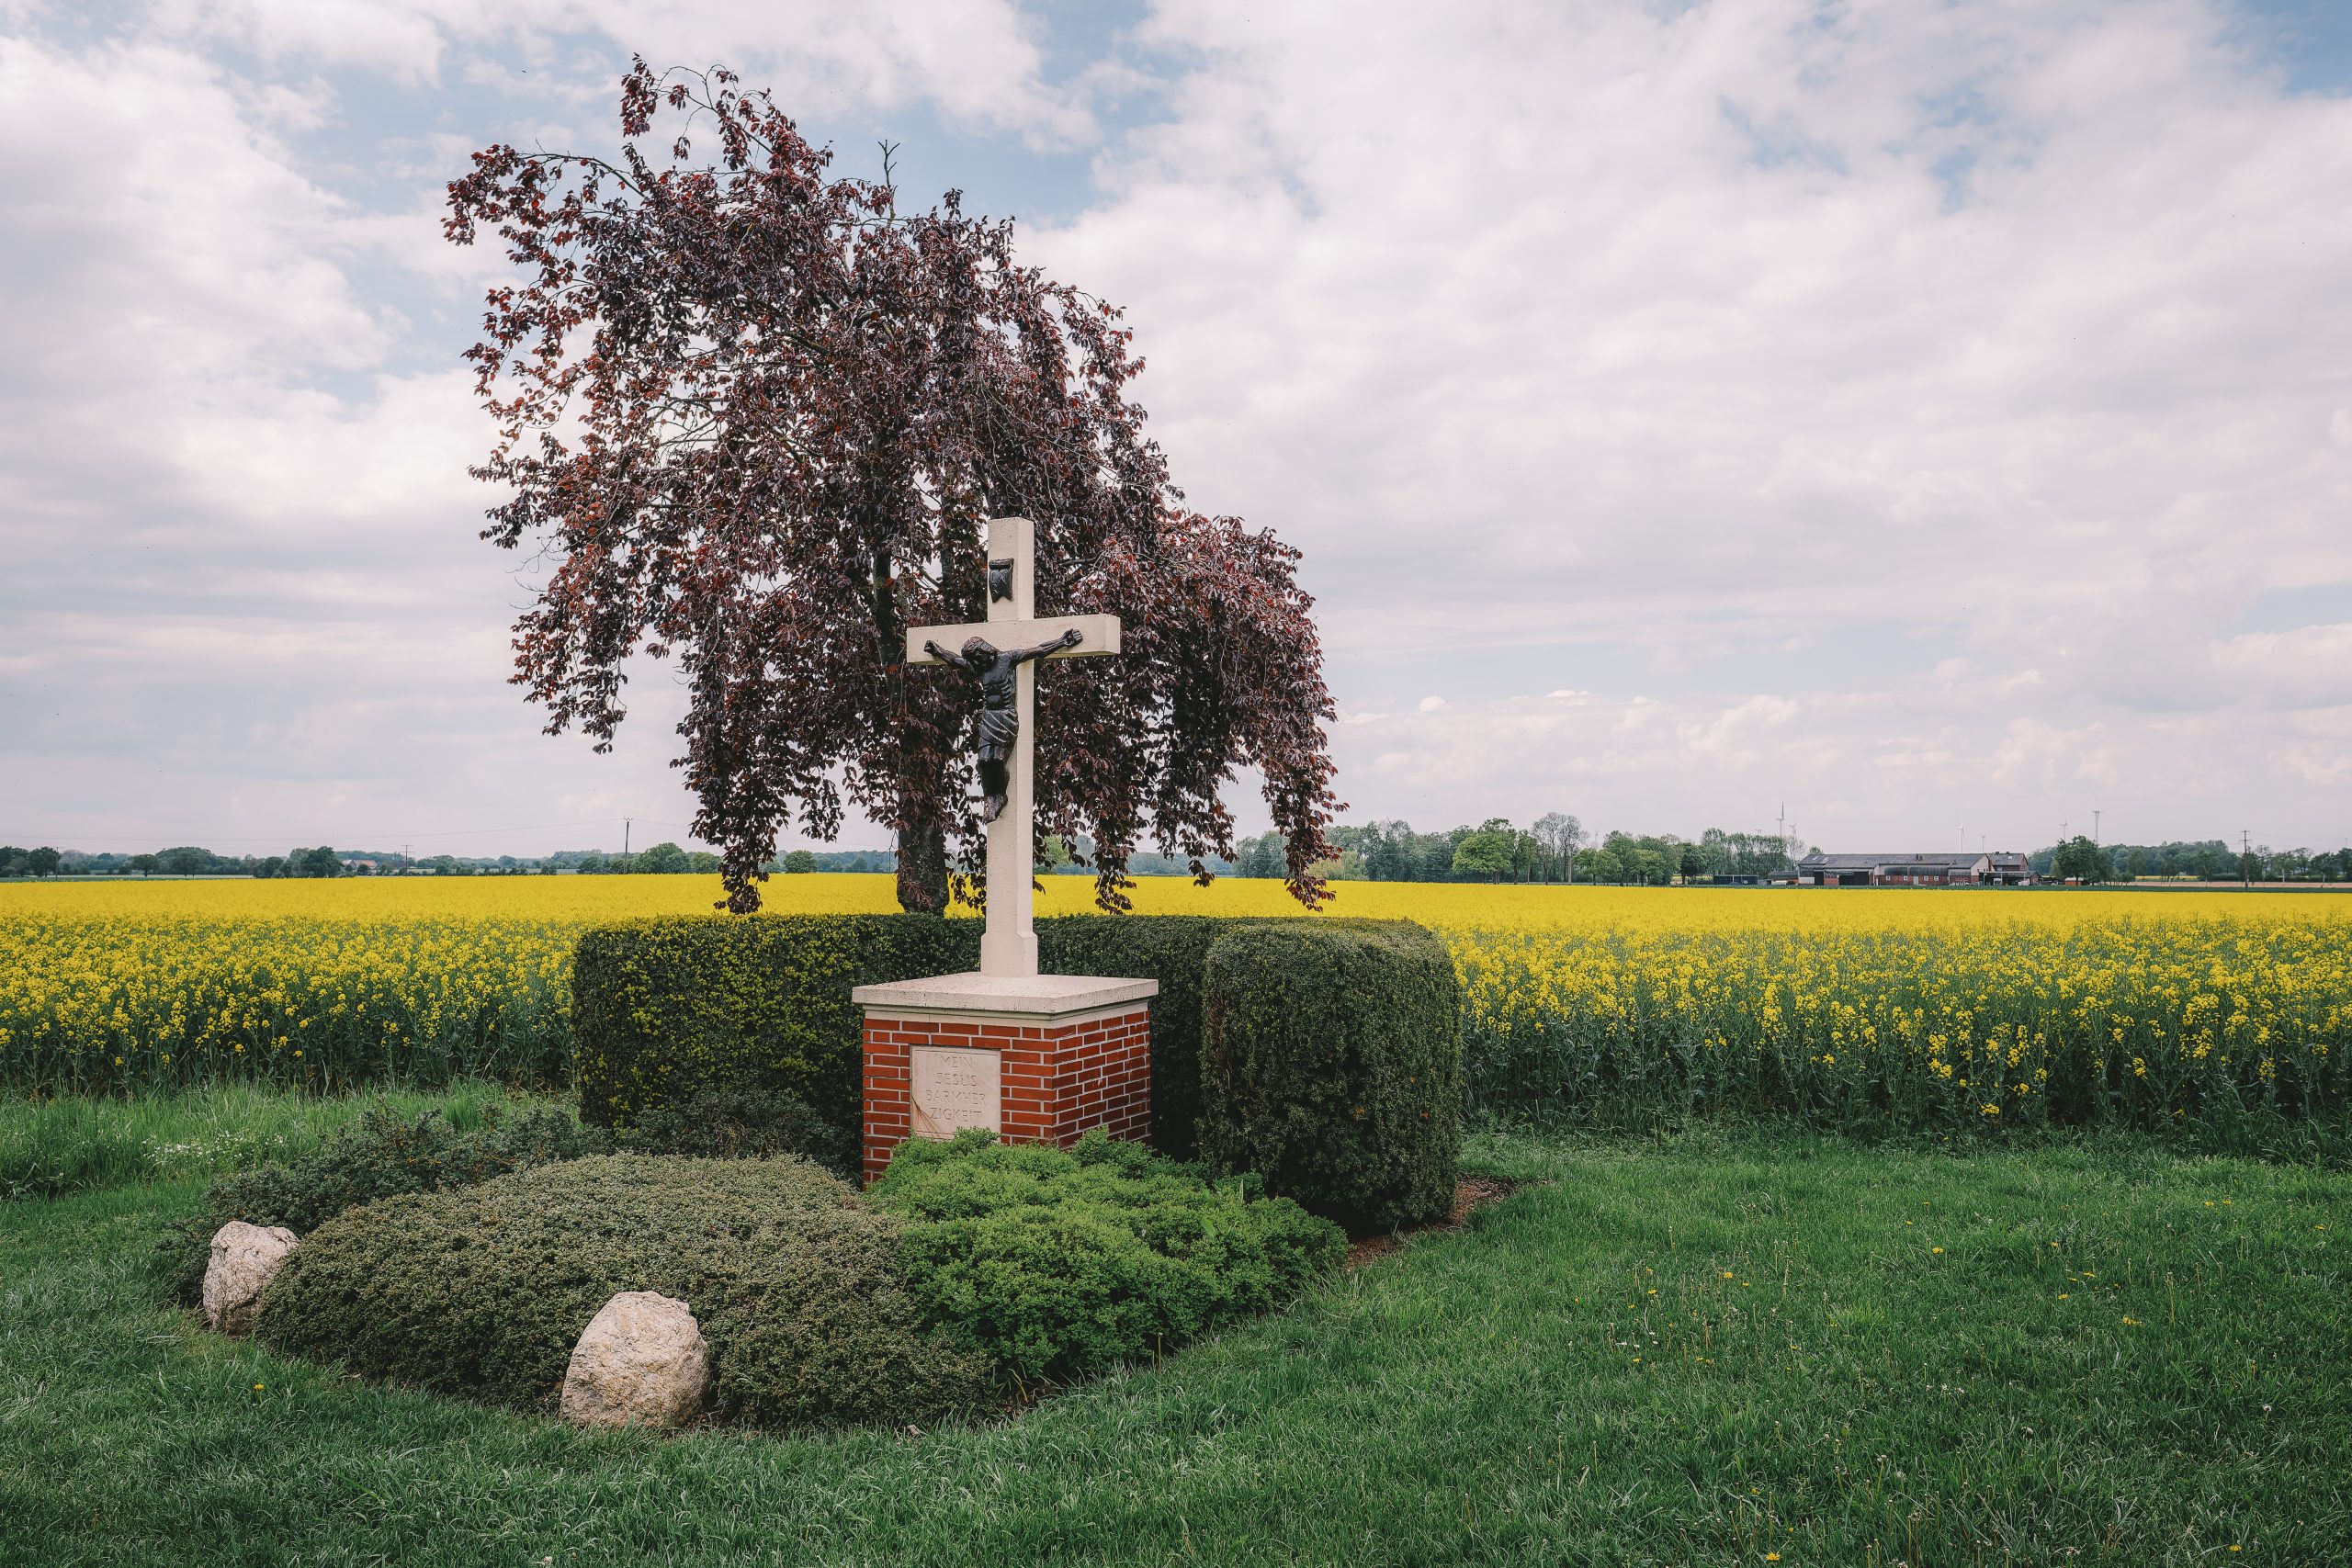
x=955 y=1087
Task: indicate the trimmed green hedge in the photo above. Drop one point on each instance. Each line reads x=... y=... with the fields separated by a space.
x=664 y=1007
x=1331 y=1066
x=483 y=1291
x=1172 y=950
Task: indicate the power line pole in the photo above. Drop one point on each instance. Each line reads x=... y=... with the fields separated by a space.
x=625 y=821
x=2245 y=859
x=2094 y=817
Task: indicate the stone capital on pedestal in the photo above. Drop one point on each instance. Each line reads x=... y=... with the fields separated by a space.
x=1027 y=999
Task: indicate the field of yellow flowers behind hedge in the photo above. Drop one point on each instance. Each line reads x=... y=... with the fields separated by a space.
x=1922 y=1008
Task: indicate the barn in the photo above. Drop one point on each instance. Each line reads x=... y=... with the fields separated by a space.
x=1946 y=868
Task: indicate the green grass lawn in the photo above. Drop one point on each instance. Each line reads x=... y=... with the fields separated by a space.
x=1706 y=1350
x=48 y=1148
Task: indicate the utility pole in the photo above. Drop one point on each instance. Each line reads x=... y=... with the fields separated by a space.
x=2245 y=859
x=625 y=821
x=2094 y=817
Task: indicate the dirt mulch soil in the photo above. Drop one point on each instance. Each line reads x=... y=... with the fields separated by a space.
x=1472 y=1192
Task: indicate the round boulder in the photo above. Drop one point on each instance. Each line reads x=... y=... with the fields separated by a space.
x=246 y=1258
x=642 y=1361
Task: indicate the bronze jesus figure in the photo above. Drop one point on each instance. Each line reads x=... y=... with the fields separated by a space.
x=1000 y=718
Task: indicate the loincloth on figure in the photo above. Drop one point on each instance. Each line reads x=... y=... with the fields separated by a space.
x=999 y=728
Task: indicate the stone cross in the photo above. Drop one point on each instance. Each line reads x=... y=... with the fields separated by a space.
x=1009 y=946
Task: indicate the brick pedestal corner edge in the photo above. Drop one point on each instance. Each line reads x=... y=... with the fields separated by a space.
x=1073 y=1052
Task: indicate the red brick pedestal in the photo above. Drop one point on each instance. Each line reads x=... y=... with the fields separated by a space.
x=1040 y=1059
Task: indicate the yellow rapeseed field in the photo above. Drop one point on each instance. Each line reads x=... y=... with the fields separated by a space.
x=1927 y=1008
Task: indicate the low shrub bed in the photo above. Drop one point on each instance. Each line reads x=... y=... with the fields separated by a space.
x=379 y=1155
x=383 y=1155
x=719 y=1122
x=971 y=1275
x=1060 y=1263
x=484 y=1291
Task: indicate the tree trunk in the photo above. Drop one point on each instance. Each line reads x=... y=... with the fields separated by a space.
x=922 y=835
x=923 y=868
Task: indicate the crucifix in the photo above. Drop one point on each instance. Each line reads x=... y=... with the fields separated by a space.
x=1003 y=651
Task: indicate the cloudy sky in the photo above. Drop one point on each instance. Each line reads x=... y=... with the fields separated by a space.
x=1935 y=415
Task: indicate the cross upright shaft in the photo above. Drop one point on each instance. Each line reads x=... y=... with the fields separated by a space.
x=1008 y=945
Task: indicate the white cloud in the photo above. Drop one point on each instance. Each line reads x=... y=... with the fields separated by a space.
x=1891 y=411
x=244 y=598
x=977 y=61
x=1653 y=342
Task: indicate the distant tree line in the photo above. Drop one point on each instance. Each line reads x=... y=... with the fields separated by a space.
x=324 y=861
x=1076 y=857
x=801 y=863
x=2204 y=859
x=1556 y=848
x=662 y=860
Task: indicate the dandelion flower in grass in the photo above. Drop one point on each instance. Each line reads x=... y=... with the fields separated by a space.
x=2132 y=1322
x=1935 y=1250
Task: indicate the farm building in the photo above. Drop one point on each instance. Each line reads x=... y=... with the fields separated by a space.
x=1945 y=869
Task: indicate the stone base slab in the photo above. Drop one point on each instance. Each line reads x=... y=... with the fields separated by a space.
x=1044 y=998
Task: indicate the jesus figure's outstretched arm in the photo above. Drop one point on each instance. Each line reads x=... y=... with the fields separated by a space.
x=1069 y=638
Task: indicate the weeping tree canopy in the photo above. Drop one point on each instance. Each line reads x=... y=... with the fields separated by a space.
x=754 y=418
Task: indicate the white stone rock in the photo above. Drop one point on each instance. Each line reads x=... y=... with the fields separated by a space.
x=246 y=1258
x=642 y=1361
